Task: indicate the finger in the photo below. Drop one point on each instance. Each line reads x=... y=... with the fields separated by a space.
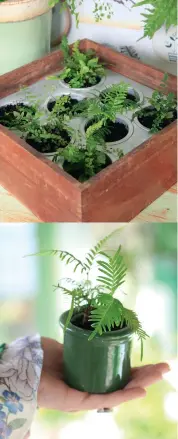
x=146 y=380
x=160 y=367
x=111 y=400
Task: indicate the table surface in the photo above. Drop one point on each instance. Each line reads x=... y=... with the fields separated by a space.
x=164 y=209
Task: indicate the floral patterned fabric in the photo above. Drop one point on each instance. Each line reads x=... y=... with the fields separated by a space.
x=20 y=370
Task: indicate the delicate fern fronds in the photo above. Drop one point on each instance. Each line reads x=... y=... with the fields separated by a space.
x=134 y=324
x=107 y=314
x=63 y=255
x=65 y=48
x=113 y=271
x=162 y=12
x=95 y=251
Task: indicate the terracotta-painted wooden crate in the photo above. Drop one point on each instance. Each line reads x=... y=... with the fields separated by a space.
x=119 y=192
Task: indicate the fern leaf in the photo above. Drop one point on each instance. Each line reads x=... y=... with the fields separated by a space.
x=64 y=256
x=134 y=324
x=113 y=271
x=163 y=12
x=95 y=251
x=43 y=253
x=107 y=314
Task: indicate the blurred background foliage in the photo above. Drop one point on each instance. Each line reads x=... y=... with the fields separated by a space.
x=28 y=304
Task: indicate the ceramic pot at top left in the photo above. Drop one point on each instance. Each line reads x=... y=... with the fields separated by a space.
x=25 y=32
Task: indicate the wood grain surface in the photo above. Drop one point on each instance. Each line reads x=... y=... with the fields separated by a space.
x=161 y=210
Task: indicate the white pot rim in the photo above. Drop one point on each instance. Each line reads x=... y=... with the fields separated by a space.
x=136 y=121
x=85 y=90
x=22 y=10
x=57 y=94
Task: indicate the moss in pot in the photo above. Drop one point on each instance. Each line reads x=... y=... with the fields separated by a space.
x=160 y=111
x=81 y=70
x=98 y=329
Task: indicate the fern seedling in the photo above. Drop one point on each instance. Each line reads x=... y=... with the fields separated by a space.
x=161 y=109
x=81 y=69
x=102 y=110
x=82 y=159
x=95 y=303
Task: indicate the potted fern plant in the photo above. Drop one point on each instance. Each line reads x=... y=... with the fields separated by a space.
x=46 y=134
x=160 y=25
x=160 y=110
x=81 y=70
x=84 y=159
x=106 y=112
x=98 y=329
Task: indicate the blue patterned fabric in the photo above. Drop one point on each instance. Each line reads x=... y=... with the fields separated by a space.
x=20 y=370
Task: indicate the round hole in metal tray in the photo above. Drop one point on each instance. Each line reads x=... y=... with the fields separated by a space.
x=68 y=105
x=6 y=111
x=75 y=97
x=121 y=130
x=82 y=89
x=145 y=122
x=133 y=94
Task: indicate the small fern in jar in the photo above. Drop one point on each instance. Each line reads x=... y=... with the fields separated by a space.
x=94 y=305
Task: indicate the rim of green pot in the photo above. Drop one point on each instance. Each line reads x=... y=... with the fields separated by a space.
x=121 y=335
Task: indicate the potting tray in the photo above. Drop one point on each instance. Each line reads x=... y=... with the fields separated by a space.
x=119 y=192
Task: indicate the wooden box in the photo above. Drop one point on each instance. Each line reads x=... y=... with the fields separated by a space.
x=119 y=192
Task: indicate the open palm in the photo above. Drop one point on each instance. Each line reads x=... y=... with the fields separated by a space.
x=55 y=394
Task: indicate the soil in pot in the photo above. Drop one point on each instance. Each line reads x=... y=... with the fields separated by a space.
x=131 y=96
x=68 y=105
x=77 y=170
x=81 y=320
x=49 y=145
x=115 y=131
x=7 y=112
x=86 y=84
x=148 y=115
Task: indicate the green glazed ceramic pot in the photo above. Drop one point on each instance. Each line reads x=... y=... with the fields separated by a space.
x=25 y=32
x=101 y=365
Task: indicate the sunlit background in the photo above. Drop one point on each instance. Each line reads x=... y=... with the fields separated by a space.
x=29 y=304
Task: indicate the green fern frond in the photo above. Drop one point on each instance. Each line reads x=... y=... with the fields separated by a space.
x=107 y=314
x=65 y=48
x=65 y=256
x=95 y=251
x=132 y=321
x=113 y=271
x=162 y=12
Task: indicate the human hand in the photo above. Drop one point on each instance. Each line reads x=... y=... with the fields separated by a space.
x=55 y=394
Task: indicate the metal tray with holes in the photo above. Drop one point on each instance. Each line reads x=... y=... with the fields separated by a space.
x=47 y=90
